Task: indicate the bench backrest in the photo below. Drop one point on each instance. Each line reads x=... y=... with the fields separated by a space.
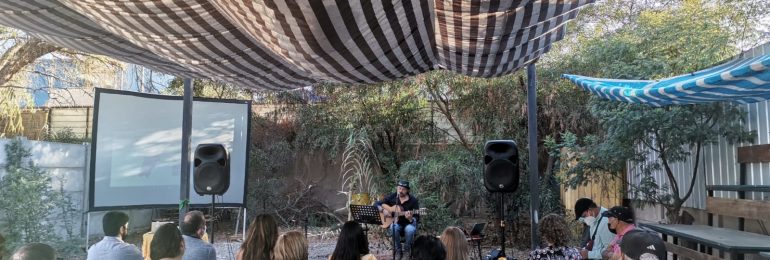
x=741 y=208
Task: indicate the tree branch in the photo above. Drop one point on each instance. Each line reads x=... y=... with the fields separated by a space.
x=443 y=108
x=667 y=168
x=694 y=171
x=21 y=55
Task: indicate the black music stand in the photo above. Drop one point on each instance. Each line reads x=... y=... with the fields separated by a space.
x=365 y=214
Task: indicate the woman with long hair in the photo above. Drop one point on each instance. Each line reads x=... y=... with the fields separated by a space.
x=352 y=244
x=291 y=245
x=260 y=242
x=455 y=243
x=167 y=243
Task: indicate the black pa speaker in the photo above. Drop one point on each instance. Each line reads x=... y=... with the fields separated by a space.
x=212 y=169
x=501 y=166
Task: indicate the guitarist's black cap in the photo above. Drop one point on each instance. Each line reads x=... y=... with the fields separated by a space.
x=403 y=183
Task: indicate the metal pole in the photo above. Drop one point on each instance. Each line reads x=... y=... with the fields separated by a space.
x=237 y=221
x=243 y=234
x=88 y=227
x=534 y=176
x=184 y=188
x=501 y=215
x=211 y=239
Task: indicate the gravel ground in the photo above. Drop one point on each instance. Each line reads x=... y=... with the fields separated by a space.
x=321 y=249
x=318 y=250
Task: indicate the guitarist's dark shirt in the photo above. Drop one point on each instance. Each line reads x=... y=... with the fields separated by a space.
x=411 y=204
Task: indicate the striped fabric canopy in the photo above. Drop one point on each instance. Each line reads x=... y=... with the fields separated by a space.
x=745 y=79
x=269 y=44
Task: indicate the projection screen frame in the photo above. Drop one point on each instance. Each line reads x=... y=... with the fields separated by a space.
x=92 y=156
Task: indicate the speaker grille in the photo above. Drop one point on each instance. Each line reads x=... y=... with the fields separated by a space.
x=500 y=175
x=501 y=171
x=212 y=169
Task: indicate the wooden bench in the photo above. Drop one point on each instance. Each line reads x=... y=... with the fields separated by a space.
x=727 y=240
x=736 y=242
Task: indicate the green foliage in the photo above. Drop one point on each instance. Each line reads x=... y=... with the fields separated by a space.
x=448 y=183
x=207 y=88
x=357 y=164
x=638 y=133
x=31 y=207
x=393 y=115
x=66 y=135
x=656 y=43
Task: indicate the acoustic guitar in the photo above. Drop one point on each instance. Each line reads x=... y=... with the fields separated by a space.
x=397 y=211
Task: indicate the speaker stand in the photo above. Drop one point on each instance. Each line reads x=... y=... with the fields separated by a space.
x=211 y=238
x=501 y=214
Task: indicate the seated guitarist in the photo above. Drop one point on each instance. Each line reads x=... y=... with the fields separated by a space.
x=401 y=201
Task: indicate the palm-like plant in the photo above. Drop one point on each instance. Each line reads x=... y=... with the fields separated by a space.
x=357 y=161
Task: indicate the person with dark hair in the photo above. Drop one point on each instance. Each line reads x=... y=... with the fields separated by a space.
x=112 y=246
x=428 y=248
x=352 y=244
x=621 y=221
x=600 y=236
x=555 y=235
x=400 y=205
x=167 y=244
x=261 y=239
x=34 y=251
x=291 y=245
x=193 y=228
x=642 y=245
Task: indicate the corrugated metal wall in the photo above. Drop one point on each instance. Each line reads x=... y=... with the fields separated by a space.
x=718 y=162
x=682 y=174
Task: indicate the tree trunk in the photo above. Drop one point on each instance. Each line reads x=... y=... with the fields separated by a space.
x=22 y=54
x=672 y=212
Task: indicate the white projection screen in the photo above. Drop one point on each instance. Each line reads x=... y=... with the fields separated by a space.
x=137 y=148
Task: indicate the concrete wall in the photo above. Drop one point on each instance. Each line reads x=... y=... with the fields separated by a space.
x=68 y=164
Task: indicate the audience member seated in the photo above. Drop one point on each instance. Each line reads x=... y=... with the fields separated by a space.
x=193 y=228
x=291 y=245
x=167 y=244
x=555 y=234
x=260 y=242
x=352 y=244
x=428 y=248
x=599 y=233
x=641 y=245
x=621 y=220
x=112 y=246
x=455 y=243
x=34 y=251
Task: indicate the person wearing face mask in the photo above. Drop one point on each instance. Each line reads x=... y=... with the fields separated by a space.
x=620 y=221
x=112 y=247
x=600 y=236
